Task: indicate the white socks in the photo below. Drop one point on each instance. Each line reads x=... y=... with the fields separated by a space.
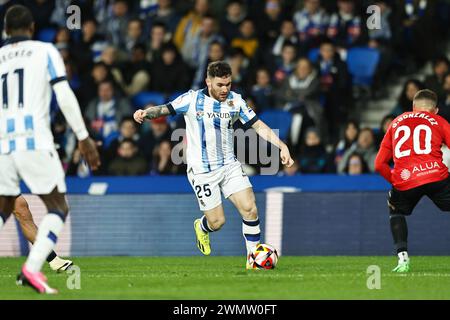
x=251 y=232
x=403 y=257
x=47 y=236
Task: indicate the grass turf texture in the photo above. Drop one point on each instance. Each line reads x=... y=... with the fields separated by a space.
x=172 y=278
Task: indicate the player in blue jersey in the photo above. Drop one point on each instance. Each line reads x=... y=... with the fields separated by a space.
x=212 y=167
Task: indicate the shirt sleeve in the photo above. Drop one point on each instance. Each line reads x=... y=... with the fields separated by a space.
x=56 y=70
x=246 y=115
x=384 y=156
x=445 y=131
x=181 y=104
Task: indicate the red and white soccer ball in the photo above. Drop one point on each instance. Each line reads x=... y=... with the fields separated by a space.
x=263 y=256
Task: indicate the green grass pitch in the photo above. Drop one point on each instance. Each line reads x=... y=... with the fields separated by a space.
x=298 y=278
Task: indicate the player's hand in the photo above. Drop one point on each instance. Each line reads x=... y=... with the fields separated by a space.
x=139 y=116
x=88 y=150
x=285 y=156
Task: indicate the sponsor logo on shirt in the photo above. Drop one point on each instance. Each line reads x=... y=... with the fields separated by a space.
x=200 y=115
x=426 y=168
x=221 y=115
x=405 y=174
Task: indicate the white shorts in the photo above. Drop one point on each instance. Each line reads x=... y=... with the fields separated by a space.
x=208 y=186
x=41 y=170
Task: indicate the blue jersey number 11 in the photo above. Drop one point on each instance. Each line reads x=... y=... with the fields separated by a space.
x=4 y=77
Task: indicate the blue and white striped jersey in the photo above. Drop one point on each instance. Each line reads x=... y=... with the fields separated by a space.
x=28 y=69
x=209 y=127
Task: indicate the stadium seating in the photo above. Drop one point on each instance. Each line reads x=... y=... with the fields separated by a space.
x=146 y=97
x=362 y=64
x=47 y=35
x=279 y=120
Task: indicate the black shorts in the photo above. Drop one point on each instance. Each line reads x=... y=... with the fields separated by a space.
x=404 y=202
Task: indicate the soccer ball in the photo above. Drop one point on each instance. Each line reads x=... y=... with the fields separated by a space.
x=263 y=256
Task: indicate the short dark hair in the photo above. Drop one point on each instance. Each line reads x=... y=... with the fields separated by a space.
x=219 y=69
x=426 y=94
x=18 y=17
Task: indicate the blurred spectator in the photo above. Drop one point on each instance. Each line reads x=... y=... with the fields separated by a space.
x=216 y=52
x=157 y=39
x=351 y=133
x=133 y=75
x=190 y=23
x=235 y=14
x=159 y=131
x=302 y=90
x=62 y=36
x=128 y=130
x=418 y=36
x=162 y=163
x=384 y=126
x=406 y=98
x=356 y=165
x=262 y=91
x=41 y=11
x=116 y=24
x=195 y=47
x=169 y=74
x=365 y=146
x=89 y=85
x=285 y=64
x=59 y=14
x=90 y=46
x=382 y=36
x=313 y=157
x=287 y=35
x=382 y=40
x=435 y=82
x=311 y=23
x=335 y=86
x=105 y=112
x=239 y=66
x=163 y=13
x=346 y=28
x=247 y=39
x=269 y=23
x=135 y=35
x=128 y=161
x=444 y=105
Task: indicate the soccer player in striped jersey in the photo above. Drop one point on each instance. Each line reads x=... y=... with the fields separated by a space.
x=212 y=167
x=29 y=72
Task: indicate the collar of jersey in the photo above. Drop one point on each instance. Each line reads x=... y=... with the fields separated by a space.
x=16 y=39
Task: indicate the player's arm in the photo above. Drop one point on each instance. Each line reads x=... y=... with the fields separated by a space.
x=178 y=106
x=56 y=72
x=384 y=157
x=264 y=131
x=71 y=110
x=152 y=112
x=445 y=127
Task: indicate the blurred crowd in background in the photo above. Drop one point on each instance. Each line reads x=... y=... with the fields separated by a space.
x=291 y=60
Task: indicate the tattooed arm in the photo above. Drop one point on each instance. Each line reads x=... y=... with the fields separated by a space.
x=152 y=113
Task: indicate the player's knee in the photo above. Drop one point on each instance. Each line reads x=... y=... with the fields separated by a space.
x=216 y=223
x=250 y=212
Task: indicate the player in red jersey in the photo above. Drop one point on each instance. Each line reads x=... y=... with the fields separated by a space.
x=414 y=140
